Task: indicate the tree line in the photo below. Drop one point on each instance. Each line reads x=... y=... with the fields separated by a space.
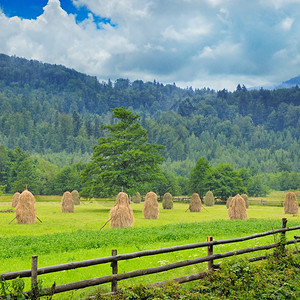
x=124 y=159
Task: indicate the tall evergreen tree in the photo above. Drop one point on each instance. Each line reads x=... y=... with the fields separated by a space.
x=123 y=159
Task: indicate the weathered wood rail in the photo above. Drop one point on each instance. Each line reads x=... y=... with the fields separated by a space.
x=34 y=293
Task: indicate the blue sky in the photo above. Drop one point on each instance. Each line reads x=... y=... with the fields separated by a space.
x=198 y=43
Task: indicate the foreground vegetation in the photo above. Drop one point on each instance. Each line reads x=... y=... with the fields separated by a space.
x=276 y=278
x=62 y=238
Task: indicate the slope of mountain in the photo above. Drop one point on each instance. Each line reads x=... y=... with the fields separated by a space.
x=50 y=109
x=290 y=83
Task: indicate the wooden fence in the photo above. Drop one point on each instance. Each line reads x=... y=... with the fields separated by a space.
x=34 y=293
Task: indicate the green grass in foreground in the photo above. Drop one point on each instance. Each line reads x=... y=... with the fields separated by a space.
x=276 y=278
x=63 y=238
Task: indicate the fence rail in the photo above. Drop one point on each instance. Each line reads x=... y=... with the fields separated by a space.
x=114 y=258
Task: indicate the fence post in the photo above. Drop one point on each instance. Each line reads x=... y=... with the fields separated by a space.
x=282 y=237
x=114 y=266
x=34 y=285
x=210 y=252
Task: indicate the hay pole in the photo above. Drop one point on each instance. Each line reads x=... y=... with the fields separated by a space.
x=39 y=219
x=106 y=223
x=12 y=219
x=36 y=217
x=205 y=208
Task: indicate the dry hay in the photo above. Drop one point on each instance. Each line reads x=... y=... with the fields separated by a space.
x=245 y=197
x=167 y=202
x=228 y=201
x=237 y=208
x=76 y=197
x=209 y=199
x=150 y=209
x=15 y=199
x=137 y=198
x=290 y=204
x=67 y=203
x=195 y=204
x=121 y=215
x=25 y=209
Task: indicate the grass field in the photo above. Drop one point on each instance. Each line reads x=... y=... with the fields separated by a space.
x=62 y=238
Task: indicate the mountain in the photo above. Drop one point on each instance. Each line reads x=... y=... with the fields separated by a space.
x=289 y=83
x=284 y=85
x=57 y=113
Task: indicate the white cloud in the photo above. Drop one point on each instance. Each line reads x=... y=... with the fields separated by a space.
x=209 y=42
x=278 y=4
x=115 y=9
x=287 y=23
x=195 y=28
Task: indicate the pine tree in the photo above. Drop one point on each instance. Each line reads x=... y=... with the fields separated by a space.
x=122 y=159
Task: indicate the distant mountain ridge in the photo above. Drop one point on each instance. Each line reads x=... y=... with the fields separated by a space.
x=289 y=83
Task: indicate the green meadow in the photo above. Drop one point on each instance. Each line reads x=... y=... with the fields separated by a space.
x=66 y=237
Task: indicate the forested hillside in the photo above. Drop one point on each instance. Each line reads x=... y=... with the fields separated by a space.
x=55 y=113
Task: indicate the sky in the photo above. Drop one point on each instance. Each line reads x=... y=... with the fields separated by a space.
x=192 y=43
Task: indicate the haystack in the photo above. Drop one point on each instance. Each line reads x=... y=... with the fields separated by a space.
x=195 y=204
x=150 y=209
x=76 y=197
x=25 y=209
x=167 y=202
x=209 y=199
x=245 y=197
x=228 y=201
x=237 y=208
x=290 y=204
x=67 y=203
x=121 y=215
x=137 y=198
x=15 y=199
